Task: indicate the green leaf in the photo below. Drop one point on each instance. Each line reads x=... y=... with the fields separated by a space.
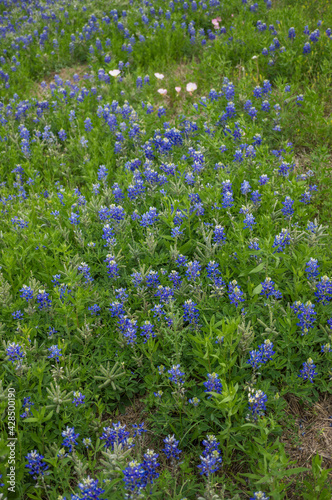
x=258 y=268
x=257 y=290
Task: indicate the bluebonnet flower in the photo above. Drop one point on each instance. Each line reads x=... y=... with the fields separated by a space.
x=102 y=172
x=211 y=457
x=219 y=236
x=191 y=312
x=264 y=179
x=62 y=135
x=245 y=187
x=134 y=478
x=262 y=355
x=254 y=244
x=88 y=124
x=287 y=209
x=228 y=200
x=306 y=48
x=116 y=434
x=249 y=222
x=312 y=268
x=299 y=99
x=165 y=294
x=36 y=464
x=15 y=352
x=149 y=218
x=17 y=314
x=324 y=290
x=194 y=401
x=181 y=260
x=158 y=311
x=84 y=142
x=19 y=222
x=121 y=294
x=150 y=465
x=213 y=384
x=176 y=232
x=212 y=269
x=87 y=442
x=116 y=309
x=284 y=169
x=281 y=240
x=252 y=112
x=27 y=404
x=257 y=400
x=55 y=352
x=89 y=489
x=306 y=314
x=256 y=197
x=108 y=233
x=78 y=398
x=291 y=33
x=265 y=106
x=176 y=375
x=94 y=309
x=112 y=266
x=147 y=331
x=128 y=328
x=171 y=449
x=69 y=438
x=84 y=269
x=26 y=293
x=306 y=197
x=138 y=429
x=308 y=371
x=136 y=279
x=152 y=279
x=259 y=495
x=175 y=277
x=238 y=155
x=43 y=299
x=268 y=289
x=314 y=36
x=74 y=218
x=235 y=293
x=326 y=348
x=193 y=270
x=258 y=92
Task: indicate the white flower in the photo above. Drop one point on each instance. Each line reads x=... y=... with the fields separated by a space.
x=114 y=72
x=162 y=91
x=254 y=57
x=178 y=89
x=160 y=76
x=191 y=87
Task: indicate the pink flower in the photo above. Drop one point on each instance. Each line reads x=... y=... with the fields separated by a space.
x=178 y=89
x=162 y=91
x=216 y=22
x=191 y=87
x=160 y=76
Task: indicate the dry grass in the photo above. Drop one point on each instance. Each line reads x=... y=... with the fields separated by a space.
x=314 y=433
x=65 y=74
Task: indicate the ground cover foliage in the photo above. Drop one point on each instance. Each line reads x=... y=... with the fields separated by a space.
x=165 y=279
